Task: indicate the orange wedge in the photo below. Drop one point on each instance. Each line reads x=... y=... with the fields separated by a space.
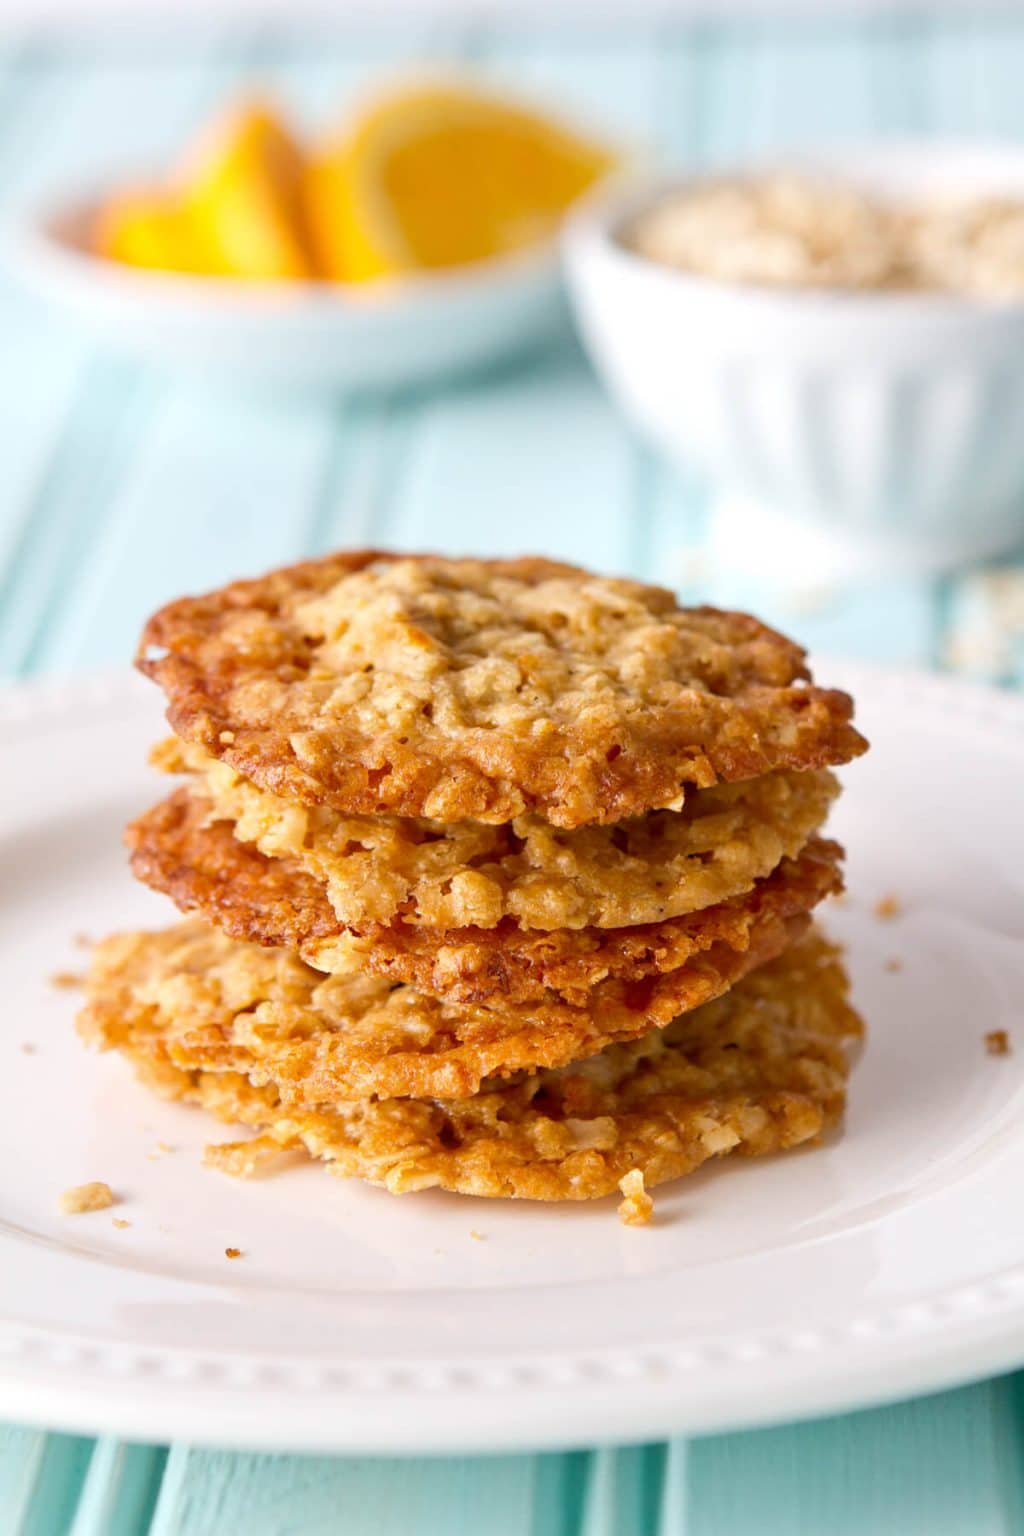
x=149 y=229
x=242 y=188
x=438 y=176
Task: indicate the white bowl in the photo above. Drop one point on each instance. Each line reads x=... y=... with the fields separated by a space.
x=296 y=335
x=893 y=423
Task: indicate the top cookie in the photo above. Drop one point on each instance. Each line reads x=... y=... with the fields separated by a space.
x=485 y=689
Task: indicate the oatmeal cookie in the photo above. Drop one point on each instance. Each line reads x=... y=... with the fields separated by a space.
x=484 y=690
x=180 y=851
x=222 y=1004
x=379 y=869
x=760 y=1070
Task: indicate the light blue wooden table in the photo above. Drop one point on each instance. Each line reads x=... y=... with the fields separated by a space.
x=120 y=489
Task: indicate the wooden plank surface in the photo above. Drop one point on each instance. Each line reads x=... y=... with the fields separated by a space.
x=121 y=488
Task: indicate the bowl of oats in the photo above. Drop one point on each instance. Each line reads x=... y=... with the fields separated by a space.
x=837 y=342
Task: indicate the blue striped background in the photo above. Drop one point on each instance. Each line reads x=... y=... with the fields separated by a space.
x=122 y=488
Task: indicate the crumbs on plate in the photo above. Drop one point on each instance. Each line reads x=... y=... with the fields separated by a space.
x=94 y=1196
x=243 y=1159
x=636 y=1207
x=997 y=1043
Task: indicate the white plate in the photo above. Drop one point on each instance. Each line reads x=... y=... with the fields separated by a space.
x=887 y=1263
x=296 y=335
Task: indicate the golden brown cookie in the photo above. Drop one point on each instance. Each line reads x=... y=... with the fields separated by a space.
x=474 y=874
x=760 y=1070
x=484 y=690
x=179 y=851
x=230 y=1005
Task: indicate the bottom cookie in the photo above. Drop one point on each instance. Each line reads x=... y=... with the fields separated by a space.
x=759 y=1070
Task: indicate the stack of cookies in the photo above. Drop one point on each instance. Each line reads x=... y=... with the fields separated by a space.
x=501 y=876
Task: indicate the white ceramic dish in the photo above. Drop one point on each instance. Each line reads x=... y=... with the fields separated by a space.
x=887 y=1263
x=891 y=425
x=294 y=336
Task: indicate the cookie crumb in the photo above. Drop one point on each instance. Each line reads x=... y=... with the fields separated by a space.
x=66 y=981
x=232 y=1253
x=478 y=1237
x=242 y=1159
x=888 y=907
x=894 y=965
x=997 y=1042
x=636 y=1207
x=82 y=941
x=119 y=1222
x=95 y=1196
x=28 y=1048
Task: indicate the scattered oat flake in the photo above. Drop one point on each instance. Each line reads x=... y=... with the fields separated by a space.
x=893 y=965
x=888 y=907
x=95 y=1196
x=66 y=980
x=226 y=738
x=232 y=1253
x=997 y=1042
x=242 y=1159
x=636 y=1207
x=119 y=1222
x=990 y=623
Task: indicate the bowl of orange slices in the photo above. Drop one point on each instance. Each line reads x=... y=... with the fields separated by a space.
x=414 y=241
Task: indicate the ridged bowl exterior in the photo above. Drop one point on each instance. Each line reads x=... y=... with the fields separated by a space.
x=898 y=418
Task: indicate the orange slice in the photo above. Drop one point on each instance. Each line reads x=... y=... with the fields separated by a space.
x=149 y=229
x=438 y=176
x=242 y=190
